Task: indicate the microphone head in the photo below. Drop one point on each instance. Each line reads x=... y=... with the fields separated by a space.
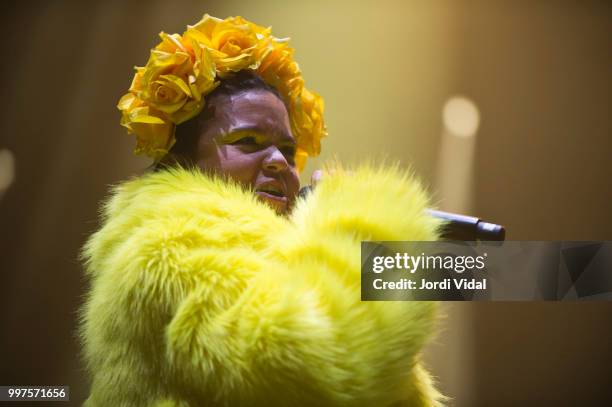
x=490 y=231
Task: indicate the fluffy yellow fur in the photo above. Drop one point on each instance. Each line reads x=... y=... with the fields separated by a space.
x=203 y=296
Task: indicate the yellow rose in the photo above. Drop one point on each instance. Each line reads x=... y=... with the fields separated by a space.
x=154 y=133
x=264 y=42
x=280 y=70
x=233 y=42
x=306 y=115
x=175 y=77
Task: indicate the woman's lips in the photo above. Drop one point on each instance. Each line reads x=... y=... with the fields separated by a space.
x=277 y=202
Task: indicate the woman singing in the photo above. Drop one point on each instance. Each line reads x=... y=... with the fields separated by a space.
x=212 y=284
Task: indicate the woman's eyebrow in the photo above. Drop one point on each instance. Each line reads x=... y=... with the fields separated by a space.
x=285 y=139
x=237 y=133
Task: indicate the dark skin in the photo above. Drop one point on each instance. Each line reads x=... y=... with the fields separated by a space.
x=249 y=138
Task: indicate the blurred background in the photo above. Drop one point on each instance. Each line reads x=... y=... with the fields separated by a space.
x=501 y=107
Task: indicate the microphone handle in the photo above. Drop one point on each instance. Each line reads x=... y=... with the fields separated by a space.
x=456 y=227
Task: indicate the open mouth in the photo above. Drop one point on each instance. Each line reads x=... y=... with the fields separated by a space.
x=274 y=195
x=272 y=190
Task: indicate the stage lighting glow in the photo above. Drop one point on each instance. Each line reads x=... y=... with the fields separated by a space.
x=460 y=116
x=7 y=169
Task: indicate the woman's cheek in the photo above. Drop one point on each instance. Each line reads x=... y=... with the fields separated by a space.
x=240 y=166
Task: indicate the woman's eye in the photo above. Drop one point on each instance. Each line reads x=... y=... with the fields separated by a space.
x=248 y=140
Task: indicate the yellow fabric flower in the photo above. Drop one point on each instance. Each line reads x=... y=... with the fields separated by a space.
x=306 y=115
x=279 y=70
x=232 y=42
x=182 y=69
x=175 y=78
x=154 y=135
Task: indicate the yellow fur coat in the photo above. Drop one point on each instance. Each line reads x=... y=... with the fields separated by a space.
x=202 y=296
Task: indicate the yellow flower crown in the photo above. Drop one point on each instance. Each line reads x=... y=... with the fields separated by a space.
x=182 y=69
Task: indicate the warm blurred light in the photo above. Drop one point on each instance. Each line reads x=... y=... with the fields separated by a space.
x=460 y=119
x=460 y=116
x=7 y=169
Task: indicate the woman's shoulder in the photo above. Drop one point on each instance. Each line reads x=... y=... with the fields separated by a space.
x=183 y=193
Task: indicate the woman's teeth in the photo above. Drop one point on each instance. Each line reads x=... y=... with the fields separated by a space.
x=273 y=191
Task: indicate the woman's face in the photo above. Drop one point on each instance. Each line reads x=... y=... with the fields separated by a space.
x=248 y=137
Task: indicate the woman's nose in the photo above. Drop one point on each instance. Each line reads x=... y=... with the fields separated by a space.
x=275 y=160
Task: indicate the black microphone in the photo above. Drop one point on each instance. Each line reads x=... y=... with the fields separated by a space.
x=456 y=227
x=463 y=227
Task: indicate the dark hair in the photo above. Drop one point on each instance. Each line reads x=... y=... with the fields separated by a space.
x=187 y=133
